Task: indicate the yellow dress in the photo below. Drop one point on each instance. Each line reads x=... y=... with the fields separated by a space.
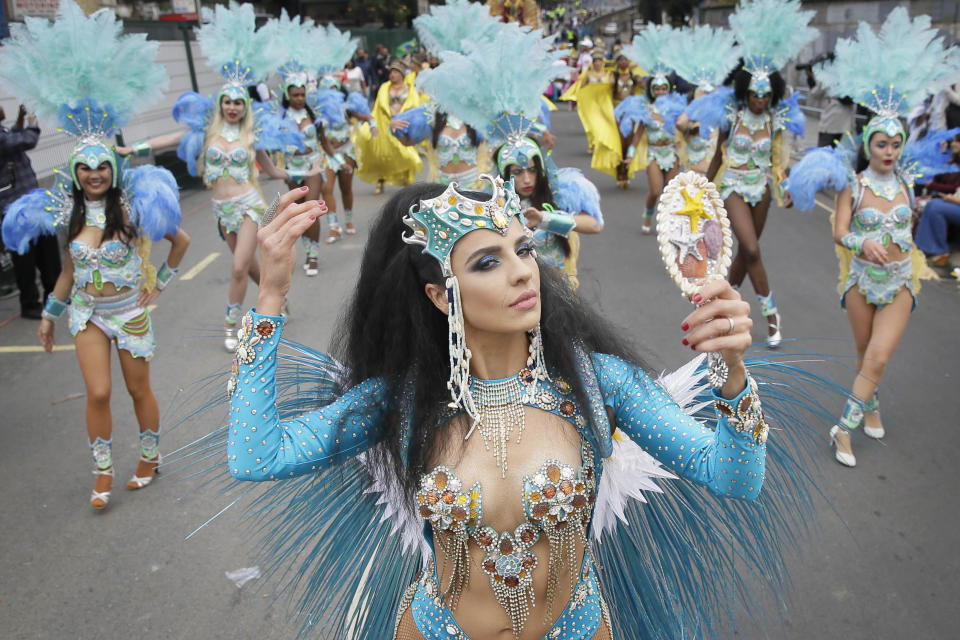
x=384 y=157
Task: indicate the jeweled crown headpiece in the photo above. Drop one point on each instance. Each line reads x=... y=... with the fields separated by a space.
x=98 y=93
x=438 y=223
x=890 y=72
x=770 y=32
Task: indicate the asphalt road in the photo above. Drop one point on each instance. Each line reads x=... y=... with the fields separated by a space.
x=880 y=564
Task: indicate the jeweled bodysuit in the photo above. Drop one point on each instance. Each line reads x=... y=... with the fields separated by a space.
x=728 y=460
x=748 y=158
x=880 y=283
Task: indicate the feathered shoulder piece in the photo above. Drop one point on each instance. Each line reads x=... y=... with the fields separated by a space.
x=770 y=32
x=233 y=45
x=336 y=47
x=632 y=112
x=154 y=200
x=573 y=192
x=357 y=103
x=81 y=71
x=711 y=111
x=195 y=111
x=893 y=71
x=328 y=105
x=703 y=55
x=649 y=49
x=419 y=122
x=502 y=99
x=273 y=132
x=448 y=26
x=820 y=168
x=39 y=212
x=788 y=115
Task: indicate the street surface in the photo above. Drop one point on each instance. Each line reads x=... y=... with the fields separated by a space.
x=881 y=563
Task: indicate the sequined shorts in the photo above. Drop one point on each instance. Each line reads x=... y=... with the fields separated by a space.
x=299 y=165
x=751 y=184
x=230 y=212
x=119 y=317
x=584 y=618
x=346 y=150
x=664 y=155
x=879 y=283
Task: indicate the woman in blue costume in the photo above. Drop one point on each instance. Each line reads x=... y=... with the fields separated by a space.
x=501 y=425
x=228 y=137
x=880 y=269
x=752 y=117
x=110 y=215
x=648 y=121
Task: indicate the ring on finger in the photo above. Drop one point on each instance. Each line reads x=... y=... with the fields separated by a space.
x=733 y=325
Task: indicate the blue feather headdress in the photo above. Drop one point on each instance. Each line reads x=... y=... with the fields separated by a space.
x=703 y=55
x=502 y=99
x=890 y=72
x=233 y=45
x=649 y=50
x=448 y=26
x=82 y=72
x=770 y=32
x=298 y=46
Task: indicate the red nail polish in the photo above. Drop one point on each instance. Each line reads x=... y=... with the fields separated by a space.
x=697 y=298
x=694 y=347
x=685 y=341
x=685 y=326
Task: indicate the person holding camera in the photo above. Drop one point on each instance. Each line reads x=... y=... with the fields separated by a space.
x=16 y=178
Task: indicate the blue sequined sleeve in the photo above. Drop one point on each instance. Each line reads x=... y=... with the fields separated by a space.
x=729 y=460
x=262 y=447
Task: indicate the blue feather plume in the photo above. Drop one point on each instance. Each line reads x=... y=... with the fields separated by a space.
x=26 y=219
x=634 y=110
x=545 y=114
x=710 y=111
x=274 y=133
x=328 y=105
x=419 y=121
x=193 y=110
x=791 y=116
x=930 y=155
x=357 y=103
x=669 y=107
x=820 y=168
x=574 y=193
x=154 y=200
x=189 y=149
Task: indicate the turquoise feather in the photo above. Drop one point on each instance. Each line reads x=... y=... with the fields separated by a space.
x=448 y=26
x=230 y=36
x=703 y=55
x=772 y=31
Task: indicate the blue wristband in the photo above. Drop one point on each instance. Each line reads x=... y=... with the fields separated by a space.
x=853 y=242
x=559 y=222
x=142 y=149
x=164 y=275
x=53 y=309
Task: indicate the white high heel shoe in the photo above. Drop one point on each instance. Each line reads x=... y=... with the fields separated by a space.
x=846 y=459
x=136 y=482
x=876 y=433
x=774 y=341
x=101 y=496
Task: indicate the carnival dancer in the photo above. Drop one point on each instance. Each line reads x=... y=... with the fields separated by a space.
x=110 y=213
x=703 y=56
x=384 y=159
x=228 y=137
x=752 y=117
x=383 y=454
x=340 y=112
x=648 y=123
x=303 y=46
x=456 y=152
x=556 y=203
x=880 y=268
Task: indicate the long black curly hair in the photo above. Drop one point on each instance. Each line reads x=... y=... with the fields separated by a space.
x=391 y=329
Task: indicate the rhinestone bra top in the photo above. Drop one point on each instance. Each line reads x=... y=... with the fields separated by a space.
x=883 y=226
x=458 y=149
x=113 y=261
x=218 y=163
